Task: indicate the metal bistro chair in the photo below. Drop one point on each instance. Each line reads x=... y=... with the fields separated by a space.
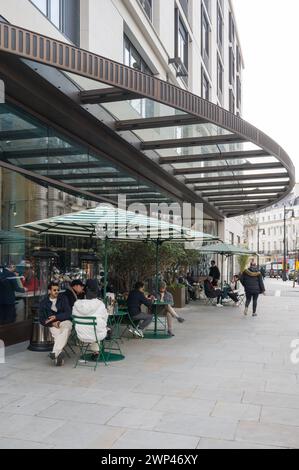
x=86 y=353
x=210 y=300
x=129 y=322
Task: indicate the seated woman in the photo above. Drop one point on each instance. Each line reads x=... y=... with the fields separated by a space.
x=211 y=292
x=165 y=296
x=91 y=307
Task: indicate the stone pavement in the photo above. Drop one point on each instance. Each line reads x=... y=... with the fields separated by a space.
x=224 y=381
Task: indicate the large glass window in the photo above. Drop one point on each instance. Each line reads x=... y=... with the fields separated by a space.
x=64 y=14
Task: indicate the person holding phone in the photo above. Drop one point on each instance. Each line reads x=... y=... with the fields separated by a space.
x=55 y=313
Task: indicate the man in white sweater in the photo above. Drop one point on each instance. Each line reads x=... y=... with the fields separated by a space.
x=91 y=307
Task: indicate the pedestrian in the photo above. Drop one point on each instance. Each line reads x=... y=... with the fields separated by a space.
x=55 y=312
x=214 y=273
x=9 y=285
x=253 y=283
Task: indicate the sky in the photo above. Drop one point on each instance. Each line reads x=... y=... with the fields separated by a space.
x=269 y=35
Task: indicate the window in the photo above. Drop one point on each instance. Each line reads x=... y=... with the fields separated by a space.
x=147 y=5
x=205 y=39
x=219 y=78
x=205 y=86
x=64 y=14
x=220 y=26
x=232 y=102
x=231 y=28
x=185 y=5
x=239 y=59
x=182 y=51
x=239 y=93
x=133 y=59
x=232 y=66
x=208 y=5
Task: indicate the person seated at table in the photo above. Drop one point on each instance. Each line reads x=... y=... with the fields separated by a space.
x=212 y=292
x=92 y=306
x=29 y=280
x=235 y=283
x=135 y=300
x=75 y=292
x=56 y=313
x=228 y=291
x=168 y=310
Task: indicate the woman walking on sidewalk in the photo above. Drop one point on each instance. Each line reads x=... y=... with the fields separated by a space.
x=253 y=283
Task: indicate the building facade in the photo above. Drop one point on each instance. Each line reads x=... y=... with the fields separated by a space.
x=264 y=231
x=135 y=97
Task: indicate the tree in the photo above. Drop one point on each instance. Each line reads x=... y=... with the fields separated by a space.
x=243 y=262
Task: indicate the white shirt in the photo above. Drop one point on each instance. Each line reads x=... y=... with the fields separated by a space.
x=53 y=308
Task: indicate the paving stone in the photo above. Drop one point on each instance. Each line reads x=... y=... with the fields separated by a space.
x=83 y=412
x=268 y=434
x=154 y=440
x=237 y=411
x=136 y=419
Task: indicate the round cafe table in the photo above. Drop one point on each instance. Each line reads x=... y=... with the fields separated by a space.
x=157 y=333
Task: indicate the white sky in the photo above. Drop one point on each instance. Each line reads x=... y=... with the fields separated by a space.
x=269 y=35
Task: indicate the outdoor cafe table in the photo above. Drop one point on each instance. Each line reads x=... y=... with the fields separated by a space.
x=156 y=333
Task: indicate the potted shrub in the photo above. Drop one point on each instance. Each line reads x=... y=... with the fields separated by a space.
x=179 y=294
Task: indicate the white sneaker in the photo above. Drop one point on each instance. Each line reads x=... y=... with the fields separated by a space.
x=219 y=305
x=139 y=333
x=246 y=312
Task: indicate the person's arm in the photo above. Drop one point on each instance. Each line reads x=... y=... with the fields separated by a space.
x=262 y=285
x=145 y=301
x=15 y=285
x=43 y=313
x=64 y=312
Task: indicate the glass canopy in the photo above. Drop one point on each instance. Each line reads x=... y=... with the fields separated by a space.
x=206 y=153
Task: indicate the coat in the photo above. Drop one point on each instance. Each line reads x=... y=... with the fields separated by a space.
x=91 y=308
x=215 y=273
x=135 y=300
x=252 y=281
x=64 y=311
x=8 y=287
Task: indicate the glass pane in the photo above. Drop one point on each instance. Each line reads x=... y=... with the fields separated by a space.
x=55 y=12
x=42 y=5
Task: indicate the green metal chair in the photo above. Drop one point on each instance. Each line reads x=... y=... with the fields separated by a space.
x=86 y=353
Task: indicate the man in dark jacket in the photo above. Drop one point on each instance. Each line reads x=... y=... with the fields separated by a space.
x=55 y=312
x=214 y=273
x=135 y=300
x=8 y=288
x=75 y=292
x=253 y=283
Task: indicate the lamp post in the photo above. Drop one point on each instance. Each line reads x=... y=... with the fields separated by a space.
x=285 y=213
x=259 y=230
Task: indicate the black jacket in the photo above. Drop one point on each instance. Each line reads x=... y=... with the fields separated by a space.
x=8 y=287
x=252 y=281
x=72 y=297
x=135 y=300
x=64 y=311
x=214 y=273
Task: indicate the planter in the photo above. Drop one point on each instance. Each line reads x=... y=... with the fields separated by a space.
x=179 y=296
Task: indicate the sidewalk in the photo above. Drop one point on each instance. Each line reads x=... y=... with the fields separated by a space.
x=224 y=381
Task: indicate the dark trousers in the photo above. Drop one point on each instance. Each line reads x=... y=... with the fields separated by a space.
x=7 y=314
x=146 y=319
x=253 y=297
x=233 y=296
